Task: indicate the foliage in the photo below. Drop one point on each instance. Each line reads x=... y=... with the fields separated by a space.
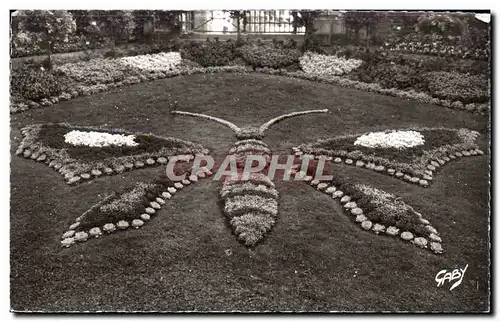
x=239 y=16
x=96 y=71
x=35 y=84
x=54 y=27
x=458 y=87
x=26 y=43
x=443 y=24
x=388 y=74
x=165 y=19
x=268 y=56
x=210 y=53
x=355 y=20
x=304 y=18
x=437 y=45
x=116 y=25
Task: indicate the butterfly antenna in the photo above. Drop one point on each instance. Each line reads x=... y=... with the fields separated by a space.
x=232 y=126
x=265 y=126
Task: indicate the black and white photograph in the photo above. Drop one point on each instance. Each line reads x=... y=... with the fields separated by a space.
x=250 y=160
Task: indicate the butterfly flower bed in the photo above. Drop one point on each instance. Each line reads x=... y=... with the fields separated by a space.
x=317 y=64
x=251 y=206
x=47 y=143
x=130 y=209
x=381 y=212
x=415 y=162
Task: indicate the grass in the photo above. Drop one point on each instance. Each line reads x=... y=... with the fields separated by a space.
x=314 y=258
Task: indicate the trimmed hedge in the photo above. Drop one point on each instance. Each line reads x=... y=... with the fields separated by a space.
x=35 y=84
x=210 y=53
x=388 y=75
x=268 y=56
x=456 y=86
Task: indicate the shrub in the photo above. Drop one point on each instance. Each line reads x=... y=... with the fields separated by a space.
x=438 y=45
x=210 y=53
x=267 y=56
x=35 y=84
x=455 y=86
x=389 y=75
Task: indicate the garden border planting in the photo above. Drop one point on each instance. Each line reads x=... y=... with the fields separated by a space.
x=160 y=66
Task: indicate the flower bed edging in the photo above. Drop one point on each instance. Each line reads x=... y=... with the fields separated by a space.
x=419 y=170
x=76 y=169
x=73 y=235
x=360 y=206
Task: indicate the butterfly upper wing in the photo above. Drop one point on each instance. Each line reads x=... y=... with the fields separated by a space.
x=47 y=143
x=414 y=164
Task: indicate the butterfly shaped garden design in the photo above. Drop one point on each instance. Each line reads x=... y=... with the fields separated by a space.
x=250 y=203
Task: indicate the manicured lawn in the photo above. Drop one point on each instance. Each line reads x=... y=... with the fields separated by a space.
x=315 y=258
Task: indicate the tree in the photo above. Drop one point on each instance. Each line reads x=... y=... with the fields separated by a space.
x=304 y=18
x=170 y=20
x=142 y=18
x=446 y=24
x=55 y=26
x=355 y=20
x=239 y=16
x=116 y=25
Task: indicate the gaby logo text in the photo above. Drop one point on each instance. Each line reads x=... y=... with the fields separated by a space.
x=450 y=276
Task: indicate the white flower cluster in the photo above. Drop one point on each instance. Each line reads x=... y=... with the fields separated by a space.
x=99 y=139
x=394 y=139
x=154 y=62
x=325 y=65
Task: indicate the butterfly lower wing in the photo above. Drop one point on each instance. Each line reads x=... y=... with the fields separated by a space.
x=415 y=164
x=64 y=147
x=131 y=208
x=373 y=209
x=378 y=211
